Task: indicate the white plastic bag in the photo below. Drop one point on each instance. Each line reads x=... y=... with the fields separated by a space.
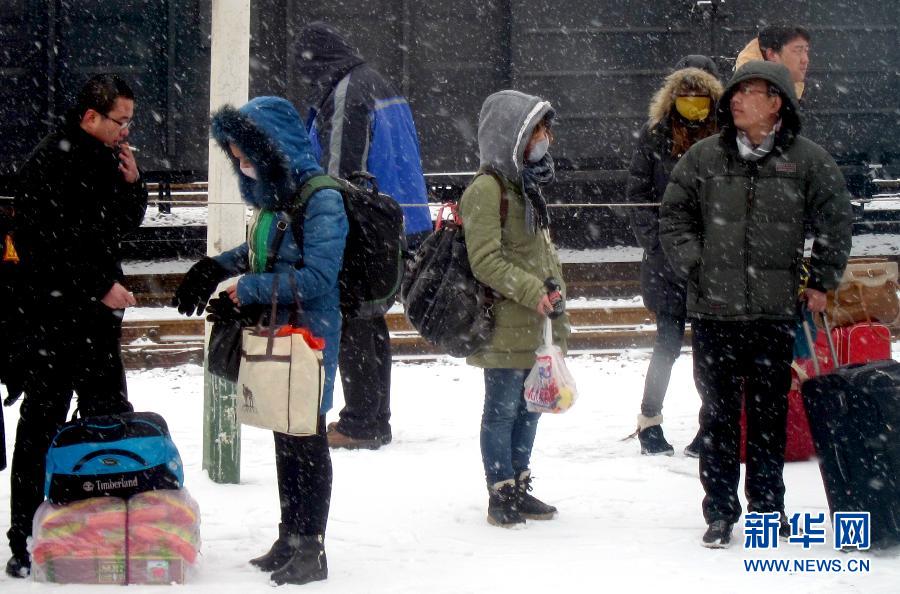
x=549 y=387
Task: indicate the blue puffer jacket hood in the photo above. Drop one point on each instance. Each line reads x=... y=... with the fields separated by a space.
x=270 y=132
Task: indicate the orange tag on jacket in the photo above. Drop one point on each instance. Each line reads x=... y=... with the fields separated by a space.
x=9 y=250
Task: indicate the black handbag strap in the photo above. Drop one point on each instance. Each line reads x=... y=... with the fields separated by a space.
x=295 y=314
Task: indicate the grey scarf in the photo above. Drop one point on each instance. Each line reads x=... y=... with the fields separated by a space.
x=535 y=175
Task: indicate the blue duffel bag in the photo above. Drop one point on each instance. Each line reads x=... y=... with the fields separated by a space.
x=112 y=455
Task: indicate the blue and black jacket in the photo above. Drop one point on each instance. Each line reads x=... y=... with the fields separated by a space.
x=360 y=122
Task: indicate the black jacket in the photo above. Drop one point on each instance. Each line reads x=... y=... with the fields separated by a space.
x=662 y=289
x=72 y=209
x=652 y=162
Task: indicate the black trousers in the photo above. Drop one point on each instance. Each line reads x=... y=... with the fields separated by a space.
x=61 y=358
x=304 y=472
x=365 y=364
x=749 y=361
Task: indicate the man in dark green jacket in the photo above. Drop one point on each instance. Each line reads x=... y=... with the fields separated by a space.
x=732 y=222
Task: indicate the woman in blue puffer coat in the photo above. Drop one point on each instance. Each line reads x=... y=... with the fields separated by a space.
x=271 y=153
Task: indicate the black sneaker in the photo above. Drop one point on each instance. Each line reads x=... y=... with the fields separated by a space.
x=530 y=507
x=784 y=528
x=692 y=450
x=718 y=535
x=18 y=567
x=503 y=507
x=653 y=442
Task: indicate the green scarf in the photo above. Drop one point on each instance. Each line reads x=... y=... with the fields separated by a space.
x=259 y=244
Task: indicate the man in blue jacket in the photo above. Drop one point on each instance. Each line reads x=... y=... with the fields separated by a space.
x=359 y=122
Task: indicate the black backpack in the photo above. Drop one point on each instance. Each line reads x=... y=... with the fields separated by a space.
x=373 y=257
x=443 y=300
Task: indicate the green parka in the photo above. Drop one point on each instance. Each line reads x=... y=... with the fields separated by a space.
x=735 y=228
x=511 y=259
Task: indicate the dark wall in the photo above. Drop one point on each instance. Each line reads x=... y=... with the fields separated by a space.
x=161 y=47
x=598 y=62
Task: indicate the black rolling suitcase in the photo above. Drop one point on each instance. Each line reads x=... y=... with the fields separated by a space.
x=854 y=415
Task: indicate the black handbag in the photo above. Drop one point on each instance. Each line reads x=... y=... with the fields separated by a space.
x=223 y=357
x=442 y=299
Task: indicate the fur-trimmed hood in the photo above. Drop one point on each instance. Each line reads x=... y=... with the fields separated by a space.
x=686 y=79
x=269 y=131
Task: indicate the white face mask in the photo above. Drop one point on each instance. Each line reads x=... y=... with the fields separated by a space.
x=249 y=171
x=538 y=150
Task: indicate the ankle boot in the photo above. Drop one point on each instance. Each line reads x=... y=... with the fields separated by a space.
x=503 y=498
x=308 y=563
x=19 y=566
x=650 y=434
x=279 y=554
x=530 y=507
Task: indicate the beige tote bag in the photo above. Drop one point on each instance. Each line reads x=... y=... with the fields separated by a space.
x=281 y=377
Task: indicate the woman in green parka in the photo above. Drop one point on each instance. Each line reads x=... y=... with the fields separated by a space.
x=508 y=241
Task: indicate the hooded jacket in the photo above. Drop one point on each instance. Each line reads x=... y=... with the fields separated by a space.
x=268 y=130
x=361 y=123
x=735 y=228
x=509 y=257
x=662 y=289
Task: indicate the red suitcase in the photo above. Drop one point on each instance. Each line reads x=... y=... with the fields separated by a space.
x=860 y=343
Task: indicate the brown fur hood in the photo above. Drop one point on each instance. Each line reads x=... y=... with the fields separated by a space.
x=682 y=80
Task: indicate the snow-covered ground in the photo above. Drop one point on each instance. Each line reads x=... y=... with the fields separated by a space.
x=410 y=518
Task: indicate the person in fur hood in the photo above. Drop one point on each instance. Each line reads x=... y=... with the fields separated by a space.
x=272 y=157
x=681 y=112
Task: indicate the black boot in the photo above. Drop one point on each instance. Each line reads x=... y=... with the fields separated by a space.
x=280 y=553
x=503 y=508
x=19 y=566
x=650 y=434
x=692 y=450
x=530 y=507
x=308 y=563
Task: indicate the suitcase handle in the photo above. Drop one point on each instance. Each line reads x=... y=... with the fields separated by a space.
x=807 y=332
x=108 y=452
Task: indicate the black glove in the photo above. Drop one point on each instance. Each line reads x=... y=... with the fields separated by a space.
x=223 y=309
x=198 y=284
x=553 y=287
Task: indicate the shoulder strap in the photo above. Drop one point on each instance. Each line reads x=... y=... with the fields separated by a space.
x=504 y=201
x=294 y=217
x=314 y=184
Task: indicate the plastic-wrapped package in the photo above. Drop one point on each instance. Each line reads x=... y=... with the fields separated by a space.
x=153 y=538
x=80 y=543
x=163 y=537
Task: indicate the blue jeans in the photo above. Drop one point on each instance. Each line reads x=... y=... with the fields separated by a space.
x=507 y=428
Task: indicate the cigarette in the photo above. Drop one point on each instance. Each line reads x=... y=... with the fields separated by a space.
x=134 y=149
